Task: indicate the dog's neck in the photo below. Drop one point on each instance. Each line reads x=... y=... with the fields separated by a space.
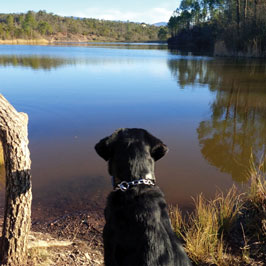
x=148 y=179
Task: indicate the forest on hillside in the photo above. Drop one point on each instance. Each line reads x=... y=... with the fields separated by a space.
x=43 y=25
x=239 y=26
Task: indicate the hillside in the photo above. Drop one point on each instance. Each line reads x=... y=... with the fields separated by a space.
x=53 y=28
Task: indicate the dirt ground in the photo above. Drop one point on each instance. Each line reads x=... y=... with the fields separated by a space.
x=72 y=239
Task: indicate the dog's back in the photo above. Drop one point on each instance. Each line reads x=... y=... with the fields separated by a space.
x=138 y=230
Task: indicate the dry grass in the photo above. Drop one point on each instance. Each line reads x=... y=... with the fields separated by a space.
x=204 y=229
x=39 y=256
x=257 y=192
x=229 y=230
x=24 y=41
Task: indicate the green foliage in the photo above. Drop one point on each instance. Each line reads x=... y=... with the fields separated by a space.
x=162 y=34
x=29 y=24
x=2 y=31
x=10 y=21
x=240 y=24
x=44 y=28
x=41 y=24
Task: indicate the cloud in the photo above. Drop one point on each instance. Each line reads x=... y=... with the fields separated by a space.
x=152 y=15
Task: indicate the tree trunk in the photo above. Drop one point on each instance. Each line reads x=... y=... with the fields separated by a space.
x=255 y=11
x=246 y=9
x=238 y=16
x=17 y=218
x=245 y=12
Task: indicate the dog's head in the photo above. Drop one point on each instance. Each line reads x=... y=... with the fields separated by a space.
x=131 y=153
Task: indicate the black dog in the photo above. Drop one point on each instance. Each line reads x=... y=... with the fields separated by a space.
x=138 y=230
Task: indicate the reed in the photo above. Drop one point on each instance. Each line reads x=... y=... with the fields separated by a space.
x=231 y=228
x=24 y=41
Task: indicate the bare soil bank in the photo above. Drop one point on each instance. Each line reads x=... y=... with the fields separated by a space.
x=67 y=38
x=69 y=240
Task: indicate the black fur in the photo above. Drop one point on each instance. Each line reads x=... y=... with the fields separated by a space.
x=138 y=230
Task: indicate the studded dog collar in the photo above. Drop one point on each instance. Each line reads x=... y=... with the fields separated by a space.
x=124 y=185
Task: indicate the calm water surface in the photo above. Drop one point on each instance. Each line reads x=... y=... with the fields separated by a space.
x=210 y=112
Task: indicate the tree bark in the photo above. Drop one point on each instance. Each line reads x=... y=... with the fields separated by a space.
x=255 y=11
x=245 y=9
x=238 y=16
x=245 y=12
x=17 y=217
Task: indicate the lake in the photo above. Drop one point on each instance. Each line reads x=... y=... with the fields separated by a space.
x=211 y=113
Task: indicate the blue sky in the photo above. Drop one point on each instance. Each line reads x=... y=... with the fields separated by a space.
x=149 y=11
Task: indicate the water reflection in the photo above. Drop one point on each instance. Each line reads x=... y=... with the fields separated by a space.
x=35 y=62
x=118 y=45
x=237 y=124
x=50 y=62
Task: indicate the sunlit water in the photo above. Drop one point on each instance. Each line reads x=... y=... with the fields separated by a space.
x=210 y=112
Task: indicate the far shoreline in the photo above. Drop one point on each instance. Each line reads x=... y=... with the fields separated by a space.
x=216 y=53
x=69 y=41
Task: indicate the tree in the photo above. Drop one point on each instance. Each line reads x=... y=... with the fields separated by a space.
x=162 y=34
x=239 y=24
x=44 y=28
x=33 y=25
x=10 y=22
x=2 y=32
x=29 y=23
x=17 y=218
x=174 y=25
x=129 y=36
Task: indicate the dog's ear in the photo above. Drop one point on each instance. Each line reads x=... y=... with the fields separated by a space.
x=103 y=148
x=158 y=148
